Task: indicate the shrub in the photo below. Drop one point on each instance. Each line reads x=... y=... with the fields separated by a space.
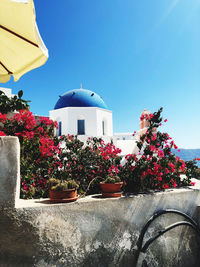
x=38 y=150
x=94 y=160
x=12 y=104
x=44 y=155
x=155 y=167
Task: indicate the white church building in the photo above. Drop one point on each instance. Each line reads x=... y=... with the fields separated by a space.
x=82 y=112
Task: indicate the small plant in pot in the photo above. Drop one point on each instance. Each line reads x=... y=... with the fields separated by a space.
x=111 y=186
x=63 y=190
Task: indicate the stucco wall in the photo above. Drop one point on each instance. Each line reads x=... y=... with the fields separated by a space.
x=94 y=231
x=93 y=120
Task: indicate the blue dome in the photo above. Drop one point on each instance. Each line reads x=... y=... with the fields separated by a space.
x=80 y=98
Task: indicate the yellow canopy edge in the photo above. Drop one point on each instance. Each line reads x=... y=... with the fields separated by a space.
x=21 y=47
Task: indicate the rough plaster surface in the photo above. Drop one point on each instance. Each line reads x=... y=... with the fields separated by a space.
x=9 y=170
x=92 y=231
x=98 y=232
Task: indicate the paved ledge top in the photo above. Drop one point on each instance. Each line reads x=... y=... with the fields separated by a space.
x=45 y=202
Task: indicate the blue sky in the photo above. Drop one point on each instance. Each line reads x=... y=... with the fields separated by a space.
x=135 y=54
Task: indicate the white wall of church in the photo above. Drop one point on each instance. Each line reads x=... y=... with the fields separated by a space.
x=60 y=115
x=106 y=117
x=82 y=113
x=92 y=116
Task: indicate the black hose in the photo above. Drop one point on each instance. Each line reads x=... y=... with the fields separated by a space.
x=161 y=232
x=143 y=249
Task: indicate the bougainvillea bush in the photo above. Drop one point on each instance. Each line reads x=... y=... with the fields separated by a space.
x=86 y=163
x=38 y=150
x=45 y=156
x=156 y=167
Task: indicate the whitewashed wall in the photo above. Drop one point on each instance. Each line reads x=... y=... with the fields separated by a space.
x=93 y=120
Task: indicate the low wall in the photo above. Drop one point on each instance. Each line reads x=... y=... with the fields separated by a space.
x=96 y=232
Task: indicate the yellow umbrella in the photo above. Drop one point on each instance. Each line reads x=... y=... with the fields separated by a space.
x=21 y=47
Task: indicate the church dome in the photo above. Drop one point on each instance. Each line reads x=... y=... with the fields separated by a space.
x=80 y=98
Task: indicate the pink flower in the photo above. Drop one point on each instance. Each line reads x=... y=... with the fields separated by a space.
x=165 y=120
x=161 y=153
x=165 y=186
x=152 y=148
x=3 y=117
x=2 y=133
x=154 y=137
x=166 y=171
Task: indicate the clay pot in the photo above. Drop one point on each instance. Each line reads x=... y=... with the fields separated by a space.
x=111 y=188
x=63 y=194
x=116 y=194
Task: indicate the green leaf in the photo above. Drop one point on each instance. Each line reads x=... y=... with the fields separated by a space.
x=20 y=93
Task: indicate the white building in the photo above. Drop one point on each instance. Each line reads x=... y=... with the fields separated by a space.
x=82 y=112
x=7 y=92
x=124 y=136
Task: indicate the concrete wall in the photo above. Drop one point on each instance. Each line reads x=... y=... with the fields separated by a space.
x=9 y=171
x=92 y=231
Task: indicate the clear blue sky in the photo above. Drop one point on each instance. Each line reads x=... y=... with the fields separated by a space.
x=135 y=54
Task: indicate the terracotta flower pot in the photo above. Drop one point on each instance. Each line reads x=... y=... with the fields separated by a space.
x=63 y=194
x=111 y=188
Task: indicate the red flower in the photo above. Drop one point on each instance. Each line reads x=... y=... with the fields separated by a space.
x=165 y=186
x=3 y=117
x=152 y=148
x=2 y=133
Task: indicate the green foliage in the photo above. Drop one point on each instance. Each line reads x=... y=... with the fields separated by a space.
x=12 y=104
x=192 y=170
x=59 y=185
x=112 y=179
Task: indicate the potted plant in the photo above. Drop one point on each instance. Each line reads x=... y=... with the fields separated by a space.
x=63 y=190
x=111 y=186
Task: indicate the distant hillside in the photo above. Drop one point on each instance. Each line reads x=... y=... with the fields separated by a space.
x=188 y=154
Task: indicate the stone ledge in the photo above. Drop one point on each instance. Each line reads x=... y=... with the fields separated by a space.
x=45 y=202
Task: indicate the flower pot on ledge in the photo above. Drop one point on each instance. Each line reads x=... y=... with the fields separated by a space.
x=60 y=193
x=111 y=189
x=68 y=195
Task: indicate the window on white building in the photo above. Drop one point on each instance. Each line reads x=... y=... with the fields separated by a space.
x=81 y=127
x=103 y=127
x=59 y=128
